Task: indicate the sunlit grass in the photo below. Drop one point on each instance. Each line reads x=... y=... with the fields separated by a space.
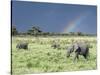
x=40 y=57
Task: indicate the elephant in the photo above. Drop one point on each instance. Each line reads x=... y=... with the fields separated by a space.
x=22 y=46
x=79 y=48
x=55 y=45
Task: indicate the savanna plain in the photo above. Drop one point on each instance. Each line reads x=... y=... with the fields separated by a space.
x=41 y=57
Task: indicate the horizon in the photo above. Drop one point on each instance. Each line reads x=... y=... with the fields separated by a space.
x=54 y=17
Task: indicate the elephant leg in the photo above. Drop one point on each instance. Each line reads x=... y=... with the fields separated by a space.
x=85 y=56
x=76 y=56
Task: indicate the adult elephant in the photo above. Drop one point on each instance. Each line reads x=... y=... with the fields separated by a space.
x=22 y=45
x=79 y=48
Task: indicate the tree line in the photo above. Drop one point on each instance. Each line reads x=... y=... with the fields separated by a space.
x=36 y=31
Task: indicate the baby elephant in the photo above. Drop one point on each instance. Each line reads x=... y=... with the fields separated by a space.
x=79 y=48
x=22 y=46
x=55 y=46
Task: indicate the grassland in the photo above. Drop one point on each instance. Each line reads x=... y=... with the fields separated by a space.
x=40 y=57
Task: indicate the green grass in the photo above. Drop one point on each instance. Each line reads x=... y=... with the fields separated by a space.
x=40 y=57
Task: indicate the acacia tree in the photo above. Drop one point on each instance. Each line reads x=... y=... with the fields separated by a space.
x=14 y=30
x=79 y=33
x=34 y=31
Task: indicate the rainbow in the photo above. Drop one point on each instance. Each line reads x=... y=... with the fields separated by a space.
x=71 y=26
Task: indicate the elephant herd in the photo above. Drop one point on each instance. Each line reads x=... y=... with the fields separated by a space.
x=78 y=48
